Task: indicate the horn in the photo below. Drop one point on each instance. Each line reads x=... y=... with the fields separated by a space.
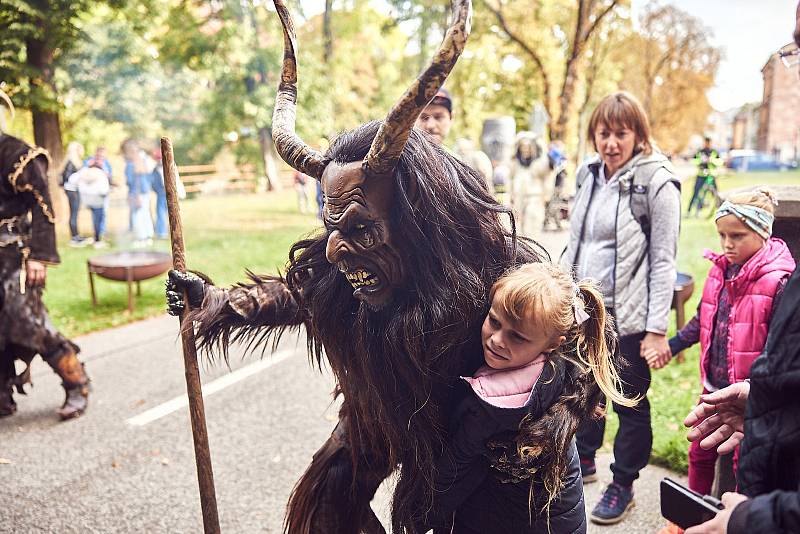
x=290 y=147
x=393 y=133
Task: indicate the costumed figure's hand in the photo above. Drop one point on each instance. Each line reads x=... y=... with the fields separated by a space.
x=177 y=283
x=655 y=349
x=35 y=273
x=719 y=525
x=718 y=420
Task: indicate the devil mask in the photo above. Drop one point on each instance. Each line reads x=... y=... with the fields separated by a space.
x=360 y=244
x=359 y=195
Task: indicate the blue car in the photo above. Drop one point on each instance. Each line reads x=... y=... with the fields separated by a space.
x=757 y=161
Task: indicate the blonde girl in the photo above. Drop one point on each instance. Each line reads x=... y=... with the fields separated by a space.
x=511 y=465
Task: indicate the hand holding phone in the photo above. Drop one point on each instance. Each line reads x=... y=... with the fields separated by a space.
x=684 y=507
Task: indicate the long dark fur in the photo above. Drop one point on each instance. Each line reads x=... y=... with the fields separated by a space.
x=395 y=366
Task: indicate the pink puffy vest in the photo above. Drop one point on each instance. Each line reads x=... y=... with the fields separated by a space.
x=751 y=293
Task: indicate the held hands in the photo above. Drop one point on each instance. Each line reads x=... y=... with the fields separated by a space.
x=35 y=273
x=655 y=349
x=719 y=418
x=177 y=283
x=719 y=525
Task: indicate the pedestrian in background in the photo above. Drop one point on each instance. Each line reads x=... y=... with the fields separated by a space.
x=74 y=162
x=157 y=180
x=139 y=175
x=625 y=194
x=530 y=170
x=300 y=181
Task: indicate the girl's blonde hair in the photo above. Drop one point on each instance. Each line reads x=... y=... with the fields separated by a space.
x=544 y=296
x=760 y=197
x=74 y=150
x=622 y=109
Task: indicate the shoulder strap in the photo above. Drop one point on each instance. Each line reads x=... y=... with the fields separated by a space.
x=640 y=194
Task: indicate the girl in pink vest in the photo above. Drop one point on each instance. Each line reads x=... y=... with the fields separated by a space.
x=732 y=320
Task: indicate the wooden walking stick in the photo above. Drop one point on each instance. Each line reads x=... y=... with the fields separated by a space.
x=202 y=454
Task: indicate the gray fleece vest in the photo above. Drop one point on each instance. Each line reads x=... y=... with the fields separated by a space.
x=639 y=183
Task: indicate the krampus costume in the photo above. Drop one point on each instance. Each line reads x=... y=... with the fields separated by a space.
x=27 y=232
x=392 y=293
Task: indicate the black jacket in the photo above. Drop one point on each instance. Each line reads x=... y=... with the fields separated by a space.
x=769 y=465
x=482 y=498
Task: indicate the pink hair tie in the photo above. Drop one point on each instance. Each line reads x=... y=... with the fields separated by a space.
x=580 y=312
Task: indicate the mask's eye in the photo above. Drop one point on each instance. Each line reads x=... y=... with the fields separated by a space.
x=360 y=227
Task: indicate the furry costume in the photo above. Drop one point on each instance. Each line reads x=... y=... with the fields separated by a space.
x=392 y=294
x=27 y=233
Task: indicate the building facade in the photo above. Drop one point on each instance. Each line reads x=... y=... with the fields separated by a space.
x=779 y=120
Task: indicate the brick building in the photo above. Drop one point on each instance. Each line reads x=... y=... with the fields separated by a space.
x=779 y=113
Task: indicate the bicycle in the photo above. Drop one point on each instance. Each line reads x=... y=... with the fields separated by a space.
x=709 y=187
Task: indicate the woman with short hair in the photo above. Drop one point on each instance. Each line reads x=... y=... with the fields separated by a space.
x=624 y=233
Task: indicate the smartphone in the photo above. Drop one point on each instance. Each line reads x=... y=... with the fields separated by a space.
x=684 y=507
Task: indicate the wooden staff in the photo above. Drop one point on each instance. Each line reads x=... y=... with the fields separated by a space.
x=202 y=454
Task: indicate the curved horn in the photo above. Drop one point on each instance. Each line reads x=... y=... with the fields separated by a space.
x=290 y=147
x=393 y=134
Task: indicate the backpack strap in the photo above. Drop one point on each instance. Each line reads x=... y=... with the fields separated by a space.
x=640 y=193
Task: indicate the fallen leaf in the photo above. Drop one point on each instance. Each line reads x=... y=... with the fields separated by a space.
x=165 y=461
x=5 y=461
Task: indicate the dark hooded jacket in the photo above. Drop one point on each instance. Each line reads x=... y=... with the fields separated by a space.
x=473 y=493
x=769 y=459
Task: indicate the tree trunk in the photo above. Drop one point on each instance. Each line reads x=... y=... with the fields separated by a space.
x=46 y=123
x=268 y=155
x=566 y=102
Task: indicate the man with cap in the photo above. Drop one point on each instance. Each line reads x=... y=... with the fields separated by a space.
x=437 y=117
x=436 y=120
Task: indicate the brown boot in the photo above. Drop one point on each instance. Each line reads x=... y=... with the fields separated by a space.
x=76 y=402
x=75 y=382
x=7 y=404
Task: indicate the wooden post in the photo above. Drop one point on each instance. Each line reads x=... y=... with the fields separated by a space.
x=202 y=453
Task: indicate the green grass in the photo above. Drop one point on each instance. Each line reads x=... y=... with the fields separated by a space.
x=223 y=234
x=675 y=388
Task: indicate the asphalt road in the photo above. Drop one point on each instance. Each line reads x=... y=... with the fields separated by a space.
x=128 y=464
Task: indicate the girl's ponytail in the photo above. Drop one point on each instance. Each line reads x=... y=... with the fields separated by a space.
x=596 y=342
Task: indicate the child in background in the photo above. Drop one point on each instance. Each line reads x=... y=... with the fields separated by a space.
x=541 y=332
x=742 y=288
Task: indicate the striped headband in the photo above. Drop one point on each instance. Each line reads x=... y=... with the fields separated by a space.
x=758 y=219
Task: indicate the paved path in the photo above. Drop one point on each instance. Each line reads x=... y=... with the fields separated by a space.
x=128 y=465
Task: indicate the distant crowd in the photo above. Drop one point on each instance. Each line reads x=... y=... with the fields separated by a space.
x=88 y=183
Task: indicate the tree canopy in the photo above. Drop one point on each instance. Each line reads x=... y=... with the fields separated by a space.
x=205 y=72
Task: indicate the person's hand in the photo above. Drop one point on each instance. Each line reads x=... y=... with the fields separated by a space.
x=35 y=273
x=718 y=420
x=177 y=283
x=655 y=349
x=719 y=525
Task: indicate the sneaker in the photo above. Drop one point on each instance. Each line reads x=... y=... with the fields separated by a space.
x=588 y=471
x=614 y=505
x=77 y=242
x=671 y=528
x=100 y=244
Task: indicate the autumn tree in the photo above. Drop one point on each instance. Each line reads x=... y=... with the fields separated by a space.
x=670 y=63
x=36 y=34
x=554 y=36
